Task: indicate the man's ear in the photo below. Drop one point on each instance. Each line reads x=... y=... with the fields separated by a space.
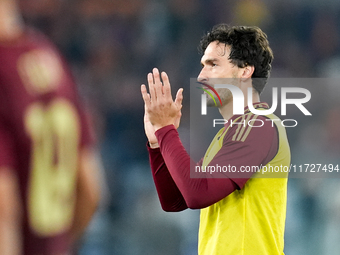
x=247 y=72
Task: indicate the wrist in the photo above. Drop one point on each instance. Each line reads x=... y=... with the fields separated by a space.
x=153 y=145
x=157 y=127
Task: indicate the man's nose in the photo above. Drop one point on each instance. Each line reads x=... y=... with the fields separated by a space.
x=202 y=77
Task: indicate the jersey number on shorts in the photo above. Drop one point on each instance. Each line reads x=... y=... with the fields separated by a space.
x=54 y=131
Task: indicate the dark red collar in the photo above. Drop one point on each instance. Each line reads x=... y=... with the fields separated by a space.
x=256 y=106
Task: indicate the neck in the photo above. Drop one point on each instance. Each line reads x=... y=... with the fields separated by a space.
x=11 y=24
x=227 y=110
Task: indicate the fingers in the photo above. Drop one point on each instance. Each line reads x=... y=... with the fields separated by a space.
x=157 y=84
x=179 y=98
x=146 y=96
x=156 y=88
x=151 y=86
x=167 y=88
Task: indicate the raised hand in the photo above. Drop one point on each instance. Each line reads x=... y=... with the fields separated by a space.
x=160 y=109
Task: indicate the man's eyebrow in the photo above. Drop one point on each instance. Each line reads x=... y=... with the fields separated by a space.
x=209 y=61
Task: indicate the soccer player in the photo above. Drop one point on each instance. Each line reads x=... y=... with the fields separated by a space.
x=49 y=186
x=240 y=214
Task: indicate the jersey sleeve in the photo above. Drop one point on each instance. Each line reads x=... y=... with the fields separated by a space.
x=6 y=141
x=88 y=137
x=197 y=192
x=247 y=148
x=170 y=197
x=6 y=147
x=258 y=147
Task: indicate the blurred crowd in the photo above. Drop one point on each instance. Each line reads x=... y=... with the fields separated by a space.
x=112 y=44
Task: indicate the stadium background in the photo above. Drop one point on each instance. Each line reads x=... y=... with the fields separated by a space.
x=112 y=44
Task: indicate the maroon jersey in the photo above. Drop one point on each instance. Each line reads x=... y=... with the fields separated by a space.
x=42 y=129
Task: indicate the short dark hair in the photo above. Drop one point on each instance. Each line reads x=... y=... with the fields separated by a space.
x=249 y=46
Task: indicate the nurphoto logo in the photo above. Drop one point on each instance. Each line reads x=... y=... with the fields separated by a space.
x=238 y=103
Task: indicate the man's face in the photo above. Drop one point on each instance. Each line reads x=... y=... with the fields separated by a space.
x=217 y=69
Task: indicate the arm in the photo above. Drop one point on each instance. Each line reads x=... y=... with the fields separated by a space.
x=88 y=191
x=169 y=195
x=259 y=148
x=10 y=213
x=161 y=111
x=198 y=192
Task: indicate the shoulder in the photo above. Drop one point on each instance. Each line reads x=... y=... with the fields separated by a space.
x=33 y=39
x=248 y=127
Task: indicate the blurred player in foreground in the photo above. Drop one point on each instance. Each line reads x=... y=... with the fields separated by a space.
x=240 y=214
x=49 y=186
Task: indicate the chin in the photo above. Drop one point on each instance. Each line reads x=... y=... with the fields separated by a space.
x=212 y=104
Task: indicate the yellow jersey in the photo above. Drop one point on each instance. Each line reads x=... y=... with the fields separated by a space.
x=249 y=221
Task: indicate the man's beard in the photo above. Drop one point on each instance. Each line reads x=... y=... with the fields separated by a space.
x=224 y=93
